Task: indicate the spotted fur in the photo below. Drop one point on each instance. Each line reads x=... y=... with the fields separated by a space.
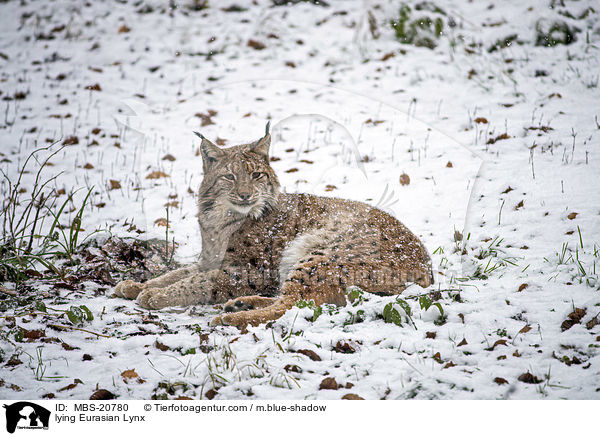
x=263 y=250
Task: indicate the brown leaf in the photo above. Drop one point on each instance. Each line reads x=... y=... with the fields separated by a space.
x=162 y=222
x=572 y=215
x=352 y=397
x=507 y=190
x=404 y=179
x=71 y=140
x=13 y=361
x=157 y=175
x=498 y=342
x=68 y=387
x=33 y=334
x=438 y=357
x=525 y=329
x=387 y=56
x=522 y=287
x=68 y=347
x=481 y=120
x=210 y=394
x=292 y=368
x=449 y=165
x=430 y=335
x=516 y=353
x=592 y=323
x=129 y=374
x=124 y=29
x=498 y=138
x=168 y=157
x=463 y=342
x=310 y=354
x=344 y=347
x=529 y=378
x=114 y=184
x=500 y=381
x=256 y=45
x=94 y=87
x=328 y=383
x=161 y=346
x=329 y=188
x=88 y=166
x=102 y=394
x=292 y=170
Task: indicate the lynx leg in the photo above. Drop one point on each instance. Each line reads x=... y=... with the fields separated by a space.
x=248 y=303
x=197 y=288
x=171 y=277
x=256 y=316
x=128 y=289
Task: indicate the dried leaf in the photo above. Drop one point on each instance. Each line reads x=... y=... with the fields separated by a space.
x=162 y=222
x=404 y=179
x=352 y=397
x=500 y=381
x=344 y=347
x=310 y=354
x=328 y=383
x=256 y=45
x=102 y=394
x=71 y=140
x=114 y=184
x=525 y=329
x=129 y=374
x=529 y=378
x=157 y=175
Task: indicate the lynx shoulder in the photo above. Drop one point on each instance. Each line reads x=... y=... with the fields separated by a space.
x=263 y=250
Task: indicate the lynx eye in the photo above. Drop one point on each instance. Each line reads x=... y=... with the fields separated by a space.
x=229 y=176
x=257 y=175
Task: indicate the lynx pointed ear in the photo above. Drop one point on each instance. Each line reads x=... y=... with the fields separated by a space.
x=262 y=146
x=210 y=152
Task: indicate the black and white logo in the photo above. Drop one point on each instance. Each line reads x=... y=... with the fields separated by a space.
x=26 y=415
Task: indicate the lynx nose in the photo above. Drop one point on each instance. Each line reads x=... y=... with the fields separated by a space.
x=244 y=196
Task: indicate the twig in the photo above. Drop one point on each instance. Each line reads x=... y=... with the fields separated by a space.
x=76 y=328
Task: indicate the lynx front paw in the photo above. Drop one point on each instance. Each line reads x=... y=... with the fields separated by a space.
x=232 y=319
x=154 y=298
x=247 y=303
x=128 y=289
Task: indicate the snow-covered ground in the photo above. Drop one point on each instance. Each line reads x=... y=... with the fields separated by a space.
x=498 y=134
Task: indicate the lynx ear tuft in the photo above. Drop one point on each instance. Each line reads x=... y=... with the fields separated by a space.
x=262 y=146
x=210 y=153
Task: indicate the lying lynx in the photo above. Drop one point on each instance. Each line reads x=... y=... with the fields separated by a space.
x=263 y=250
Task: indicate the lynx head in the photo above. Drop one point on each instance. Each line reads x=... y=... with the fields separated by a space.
x=238 y=179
